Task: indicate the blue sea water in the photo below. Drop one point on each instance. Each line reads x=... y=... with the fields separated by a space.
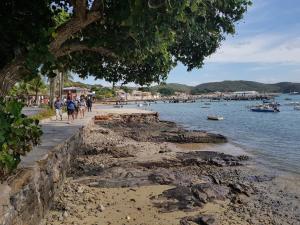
x=273 y=138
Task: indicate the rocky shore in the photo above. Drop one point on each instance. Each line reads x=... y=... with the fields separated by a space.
x=134 y=169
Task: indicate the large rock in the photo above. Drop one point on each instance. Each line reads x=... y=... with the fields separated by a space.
x=184 y=136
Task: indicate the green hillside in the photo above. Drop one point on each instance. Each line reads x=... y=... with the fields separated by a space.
x=286 y=87
x=224 y=86
x=71 y=83
x=174 y=87
x=230 y=86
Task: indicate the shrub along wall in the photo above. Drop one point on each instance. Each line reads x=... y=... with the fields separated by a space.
x=26 y=197
x=18 y=135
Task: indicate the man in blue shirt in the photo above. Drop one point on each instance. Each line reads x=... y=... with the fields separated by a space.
x=70 y=108
x=58 y=104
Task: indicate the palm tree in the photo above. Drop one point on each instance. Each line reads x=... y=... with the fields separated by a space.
x=23 y=91
x=36 y=85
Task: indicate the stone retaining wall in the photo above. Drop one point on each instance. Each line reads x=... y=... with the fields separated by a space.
x=26 y=197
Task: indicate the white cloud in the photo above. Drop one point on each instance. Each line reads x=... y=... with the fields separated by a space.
x=259 y=49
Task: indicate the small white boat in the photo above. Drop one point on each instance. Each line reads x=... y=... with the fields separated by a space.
x=297 y=107
x=211 y=117
x=118 y=106
x=293 y=104
x=140 y=105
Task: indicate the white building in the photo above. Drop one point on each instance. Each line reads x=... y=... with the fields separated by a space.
x=246 y=93
x=136 y=95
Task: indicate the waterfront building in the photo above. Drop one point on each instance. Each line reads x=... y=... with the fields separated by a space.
x=75 y=91
x=246 y=93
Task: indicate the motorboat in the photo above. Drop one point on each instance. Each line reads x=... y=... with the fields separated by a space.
x=271 y=103
x=118 y=106
x=297 y=107
x=213 y=117
x=267 y=101
x=264 y=108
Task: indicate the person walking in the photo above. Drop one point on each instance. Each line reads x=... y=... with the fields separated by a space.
x=82 y=106
x=76 y=103
x=58 y=104
x=89 y=104
x=70 y=108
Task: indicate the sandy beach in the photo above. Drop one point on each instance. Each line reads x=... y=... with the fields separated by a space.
x=135 y=169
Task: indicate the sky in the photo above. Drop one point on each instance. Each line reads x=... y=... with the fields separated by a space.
x=265 y=48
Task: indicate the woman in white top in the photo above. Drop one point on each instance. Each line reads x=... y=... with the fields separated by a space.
x=82 y=106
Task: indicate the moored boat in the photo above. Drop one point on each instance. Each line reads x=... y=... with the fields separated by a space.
x=264 y=108
x=118 y=106
x=297 y=107
x=267 y=101
x=294 y=93
x=212 y=117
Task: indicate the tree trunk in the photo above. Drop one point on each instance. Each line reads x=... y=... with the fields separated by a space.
x=62 y=83
x=52 y=91
x=36 y=96
x=10 y=75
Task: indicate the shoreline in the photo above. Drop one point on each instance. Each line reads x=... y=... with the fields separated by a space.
x=124 y=154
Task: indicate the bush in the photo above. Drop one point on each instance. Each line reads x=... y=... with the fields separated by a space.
x=18 y=135
x=47 y=112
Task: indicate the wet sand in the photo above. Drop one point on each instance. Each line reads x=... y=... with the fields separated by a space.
x=122 y=206
x=227 y=148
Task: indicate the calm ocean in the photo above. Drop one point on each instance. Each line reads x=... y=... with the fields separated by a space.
x=272 y=138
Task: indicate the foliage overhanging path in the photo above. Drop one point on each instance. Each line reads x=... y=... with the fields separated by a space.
x=122 y=40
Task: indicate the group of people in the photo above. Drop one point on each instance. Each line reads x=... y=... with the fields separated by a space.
x=74 y=107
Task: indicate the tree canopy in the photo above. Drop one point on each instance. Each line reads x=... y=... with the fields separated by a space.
x=165 y=91
x=122 y=40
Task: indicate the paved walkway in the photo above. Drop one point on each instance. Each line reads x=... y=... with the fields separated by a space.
x=56 y=132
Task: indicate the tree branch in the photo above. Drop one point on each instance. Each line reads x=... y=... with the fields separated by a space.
x=14 y=71
x=97 y=4
x=78 y=47
x=70 y=28
x=11 y=74
x=80 y=9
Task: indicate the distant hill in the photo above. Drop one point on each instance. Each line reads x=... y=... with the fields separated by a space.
x=71 y=83
x=231 y=86
x=286 y=87
x=174 y=87
x=224 y=86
